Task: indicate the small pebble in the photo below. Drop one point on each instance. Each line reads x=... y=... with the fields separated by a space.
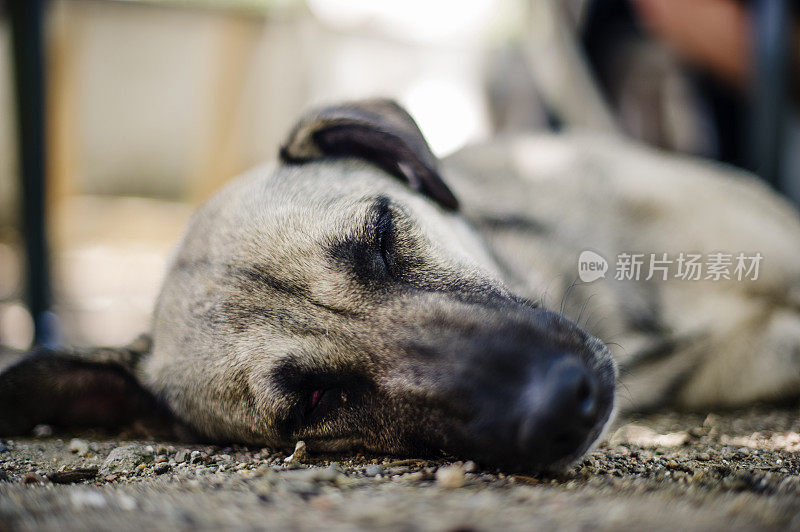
x=417 y=476
x=299 y=455
x=125 y=458
x=321 y=502
x=42 y=431
x=79 y=447
x=181 y=455
x=373 y=470
x=32 y=478
x=73 y=475
x=161 y=468
x=470 y=466
x=126 y=502
x=450 y=477
x=313 y=474
x=86 y=498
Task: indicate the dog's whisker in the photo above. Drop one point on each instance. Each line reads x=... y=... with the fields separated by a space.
x=565 y=297
x=585 y=303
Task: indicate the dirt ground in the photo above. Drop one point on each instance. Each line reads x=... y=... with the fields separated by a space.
x=734 y=470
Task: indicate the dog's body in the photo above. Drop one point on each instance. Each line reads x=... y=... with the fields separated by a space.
x=324 y=299
x=538 y=202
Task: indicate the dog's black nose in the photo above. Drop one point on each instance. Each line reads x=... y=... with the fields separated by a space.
x=560 y=410
x=574 y=392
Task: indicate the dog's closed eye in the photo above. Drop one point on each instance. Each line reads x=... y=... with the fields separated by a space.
x=371 y=252
x=384 y=234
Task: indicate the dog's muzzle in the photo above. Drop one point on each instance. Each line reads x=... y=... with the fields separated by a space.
x=559 y=412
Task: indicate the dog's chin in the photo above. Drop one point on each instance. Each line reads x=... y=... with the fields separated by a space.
x=561 y=465
x=546 y=462
x=552 y=466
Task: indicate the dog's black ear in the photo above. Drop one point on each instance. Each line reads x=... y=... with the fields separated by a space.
x=91 y=388
x=379 y=131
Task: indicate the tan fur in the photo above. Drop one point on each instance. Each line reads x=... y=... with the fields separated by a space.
x=403 y=291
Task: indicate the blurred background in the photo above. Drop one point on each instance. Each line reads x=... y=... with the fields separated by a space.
x=117 y=118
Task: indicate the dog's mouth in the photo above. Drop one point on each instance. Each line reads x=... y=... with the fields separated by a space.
x=316 y=399
x=316 y=395
x=323 y=404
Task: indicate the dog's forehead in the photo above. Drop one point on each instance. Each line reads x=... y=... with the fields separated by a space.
x=289 y=208
x=301 y=197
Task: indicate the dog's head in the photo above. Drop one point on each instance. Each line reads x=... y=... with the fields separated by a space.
x=339 y=298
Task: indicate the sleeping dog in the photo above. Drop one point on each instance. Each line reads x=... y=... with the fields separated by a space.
x=362 y=294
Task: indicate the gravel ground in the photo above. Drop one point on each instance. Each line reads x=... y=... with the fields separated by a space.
x=734 y=470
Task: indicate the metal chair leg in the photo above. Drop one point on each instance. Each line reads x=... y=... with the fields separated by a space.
x=27 y=18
